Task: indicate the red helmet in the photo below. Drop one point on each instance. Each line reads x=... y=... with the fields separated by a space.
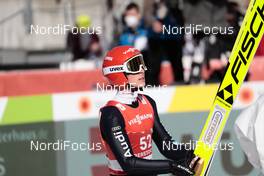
x=121 y=60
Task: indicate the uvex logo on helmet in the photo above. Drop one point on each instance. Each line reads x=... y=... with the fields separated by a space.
x=113 y=69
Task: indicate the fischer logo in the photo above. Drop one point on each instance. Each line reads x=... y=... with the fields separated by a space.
x=245 y=52
x=248 y=43
x=139 y=118
x=120 y=137
x=130 y=50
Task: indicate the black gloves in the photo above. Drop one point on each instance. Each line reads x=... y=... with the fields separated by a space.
x=189 y=165
x=181 y=170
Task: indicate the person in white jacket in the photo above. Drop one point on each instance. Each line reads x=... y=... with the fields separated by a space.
x=249 y=128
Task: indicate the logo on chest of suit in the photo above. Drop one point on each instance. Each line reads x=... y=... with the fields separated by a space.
x=139 y=118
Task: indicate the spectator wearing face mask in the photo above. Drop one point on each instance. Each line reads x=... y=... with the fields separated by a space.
x=134 y=33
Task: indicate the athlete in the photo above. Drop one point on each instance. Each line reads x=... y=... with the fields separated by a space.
x=130 y=122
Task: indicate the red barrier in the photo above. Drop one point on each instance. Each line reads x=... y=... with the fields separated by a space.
x=48 y=81
x=55 y=81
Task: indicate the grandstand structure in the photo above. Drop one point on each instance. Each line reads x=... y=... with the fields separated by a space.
x=21 y=47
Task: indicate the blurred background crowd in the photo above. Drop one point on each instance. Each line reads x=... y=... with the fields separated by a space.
x=179 y=58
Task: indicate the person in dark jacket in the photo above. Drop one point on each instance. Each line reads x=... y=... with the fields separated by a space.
x=84 y=43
